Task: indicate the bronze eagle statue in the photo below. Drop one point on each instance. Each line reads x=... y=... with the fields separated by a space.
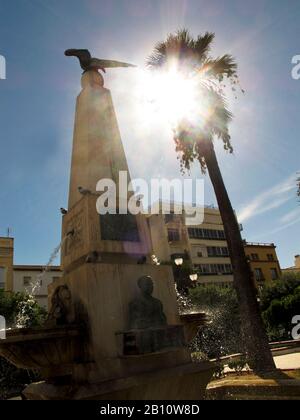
x=87 y=62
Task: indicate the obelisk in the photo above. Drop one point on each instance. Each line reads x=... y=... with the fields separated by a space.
x=98 y=152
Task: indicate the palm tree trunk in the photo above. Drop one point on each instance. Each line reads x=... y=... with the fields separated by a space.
x=253 y=331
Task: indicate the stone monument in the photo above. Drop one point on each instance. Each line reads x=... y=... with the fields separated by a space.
x=134 y=346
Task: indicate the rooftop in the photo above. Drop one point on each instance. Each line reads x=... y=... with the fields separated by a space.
x=269 y=245
x=36 y=268
x=6 y=238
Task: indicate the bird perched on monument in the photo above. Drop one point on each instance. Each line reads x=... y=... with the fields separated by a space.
x=84 y=191
x=63 y=211
x=87 y=62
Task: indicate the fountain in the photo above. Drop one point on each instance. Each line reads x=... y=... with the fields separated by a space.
x=114 y=330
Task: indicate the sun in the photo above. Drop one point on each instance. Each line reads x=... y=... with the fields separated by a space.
x=169 y=95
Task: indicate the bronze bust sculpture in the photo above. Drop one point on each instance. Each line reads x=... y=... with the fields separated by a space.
x=87 y=62
x=146 y=311
x=61 y=312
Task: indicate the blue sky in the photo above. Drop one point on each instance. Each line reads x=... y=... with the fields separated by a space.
x=37 y=102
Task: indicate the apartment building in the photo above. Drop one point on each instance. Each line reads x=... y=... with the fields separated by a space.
x=203 y=245
x=6 y=263
x=294 y=269
x=33 y=279
x=263 y=261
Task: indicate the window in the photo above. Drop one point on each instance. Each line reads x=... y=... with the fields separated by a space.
x=203 y=268
x=228 y=269
x=258 y=274
x=225 y=252
x=270 y=257
x=214 y=269
x=173 y=235
x=254 y=257
x=195 y=233
x=221 y=234
x=5 y=251
x=169 y=217
x=216 y=251
x=274 y=274
x=2 y=277
x=197 y=252
x=26 y=281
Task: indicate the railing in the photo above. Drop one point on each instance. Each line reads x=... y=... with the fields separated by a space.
x=258 y=244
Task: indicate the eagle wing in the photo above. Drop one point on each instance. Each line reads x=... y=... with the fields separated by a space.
x=106 y=64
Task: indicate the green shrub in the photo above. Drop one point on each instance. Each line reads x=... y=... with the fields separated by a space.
x=17 y=308
x=238 y=365
x=15 y=305
x=280 y=302
x=219 y=371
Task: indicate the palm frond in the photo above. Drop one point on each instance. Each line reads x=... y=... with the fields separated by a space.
x=220 y=117
x=202 y=45
x=158 y=57
x=220 y=67
x=192 y=56
x=178 y=47
x=193 y=139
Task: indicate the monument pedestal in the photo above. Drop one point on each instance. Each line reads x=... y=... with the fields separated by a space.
x=103 y=293
x=183 y=382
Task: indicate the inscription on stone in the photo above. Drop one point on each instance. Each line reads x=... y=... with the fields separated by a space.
x=119 y=227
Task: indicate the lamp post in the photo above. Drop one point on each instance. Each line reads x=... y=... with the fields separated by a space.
x=179 y=280
x=179 y=262
x=194 y=278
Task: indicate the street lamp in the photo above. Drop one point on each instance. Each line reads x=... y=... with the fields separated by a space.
x=194 y=277
x=179 y=261
x=155 y=260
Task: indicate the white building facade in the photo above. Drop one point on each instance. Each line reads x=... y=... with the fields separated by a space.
x=34 y=280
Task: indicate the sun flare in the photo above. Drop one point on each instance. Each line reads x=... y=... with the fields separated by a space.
x=170 y=96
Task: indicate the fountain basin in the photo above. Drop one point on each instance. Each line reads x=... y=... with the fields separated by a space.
x=51 y=350
x=192 y=322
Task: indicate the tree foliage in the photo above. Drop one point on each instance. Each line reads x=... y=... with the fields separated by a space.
x=20 y=307
x=280 y=302
x=17 y=308
x=192 y=58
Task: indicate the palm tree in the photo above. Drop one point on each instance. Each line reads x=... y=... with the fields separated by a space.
x=194 y=141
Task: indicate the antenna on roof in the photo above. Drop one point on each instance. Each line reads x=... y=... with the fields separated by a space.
x=8 y=232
